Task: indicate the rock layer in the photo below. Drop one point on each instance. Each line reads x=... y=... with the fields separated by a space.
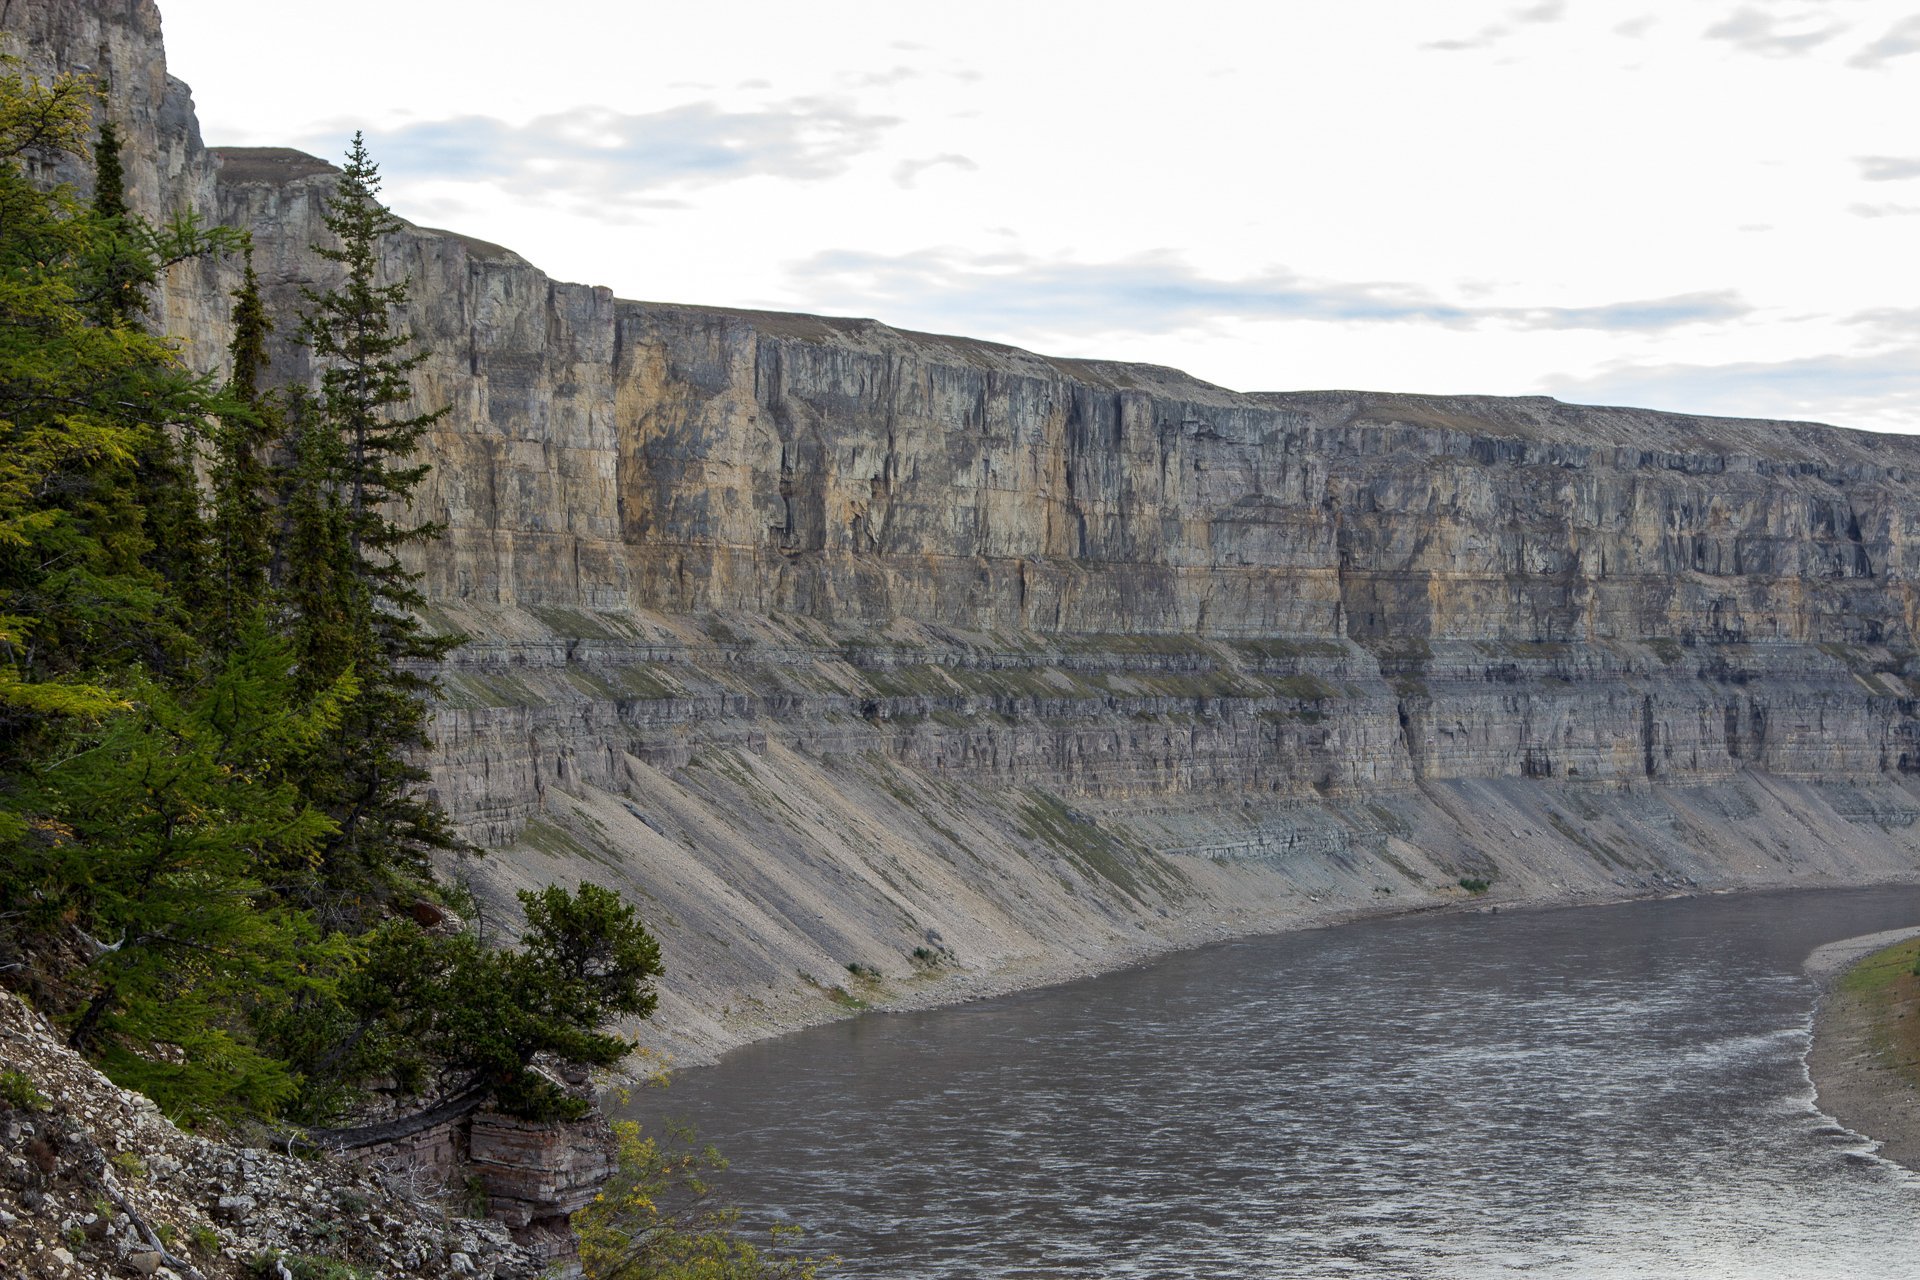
x=838 y=645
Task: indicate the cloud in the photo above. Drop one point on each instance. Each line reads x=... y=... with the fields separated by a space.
x=1882 y=386
x=1883 y=210
x=1888 y=168
x=878 y=79
x=1634 y=28
x=1155 y=293
x=1898 y=323
x=908 y=172
x=1548 y=11
x=1754 y=30
x=597 y=153
x=1900 y=40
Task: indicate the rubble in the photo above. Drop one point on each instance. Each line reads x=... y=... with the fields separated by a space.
x=95 y=1182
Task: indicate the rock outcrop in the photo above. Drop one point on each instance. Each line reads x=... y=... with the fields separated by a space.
x=886 y=667
x=95 y=1182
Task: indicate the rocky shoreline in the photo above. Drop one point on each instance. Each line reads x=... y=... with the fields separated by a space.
x=1852 y=1080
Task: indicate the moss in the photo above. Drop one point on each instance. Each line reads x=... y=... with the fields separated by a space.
x=720 y=633
x=919 y=680
x=1109 y=642
x=557 y=842
x=580 y=624
x=1273 y=648
x=1091 y=848
x=1665 y=648
x=1400 y=649
x=1304 y=688
x=468 y=690
x=1603 y=852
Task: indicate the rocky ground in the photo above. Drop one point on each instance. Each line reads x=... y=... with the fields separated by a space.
x=1857 y=1081
x=95 y=1182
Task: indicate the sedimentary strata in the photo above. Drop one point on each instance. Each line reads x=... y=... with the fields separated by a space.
x=836 y=645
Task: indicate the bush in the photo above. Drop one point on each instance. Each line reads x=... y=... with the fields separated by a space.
x=658 y=1218
x=17 y=1091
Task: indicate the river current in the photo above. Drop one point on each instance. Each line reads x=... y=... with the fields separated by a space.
x=1594 y=1092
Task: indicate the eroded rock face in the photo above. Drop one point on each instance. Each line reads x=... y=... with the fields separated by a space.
x=840 y=645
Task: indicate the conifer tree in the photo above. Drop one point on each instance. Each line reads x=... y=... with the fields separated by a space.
x=241 y=533
x=109 y=179
x=140 y=799
x=355 y=467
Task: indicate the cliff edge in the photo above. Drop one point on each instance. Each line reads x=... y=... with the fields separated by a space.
x=885 y=667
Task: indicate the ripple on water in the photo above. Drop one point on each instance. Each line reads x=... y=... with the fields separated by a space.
x=1593 y=1093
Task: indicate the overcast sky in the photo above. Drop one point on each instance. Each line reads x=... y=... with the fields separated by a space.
x=1711 y=206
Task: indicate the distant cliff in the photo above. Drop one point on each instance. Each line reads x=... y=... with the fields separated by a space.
x=836 y=645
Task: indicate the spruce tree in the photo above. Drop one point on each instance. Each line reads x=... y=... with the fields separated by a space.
x=242 y=482
x=355 y=470
x=109 y=179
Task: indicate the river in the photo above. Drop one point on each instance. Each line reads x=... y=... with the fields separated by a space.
x=1590 y=1092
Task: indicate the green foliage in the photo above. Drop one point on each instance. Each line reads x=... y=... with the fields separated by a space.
x=210 y=700
x=168 y=817
x=109 y=180
x=17 y=1092
x=304 y=1266
x=353 y=447
x=658 y=1218
x=240 y=533
x=130 y=1165
x=1474 y=885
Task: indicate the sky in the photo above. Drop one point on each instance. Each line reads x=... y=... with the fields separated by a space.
x=1701 y=205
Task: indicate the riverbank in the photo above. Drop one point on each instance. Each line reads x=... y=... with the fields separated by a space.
x=847 y=905
x=1864 y=1059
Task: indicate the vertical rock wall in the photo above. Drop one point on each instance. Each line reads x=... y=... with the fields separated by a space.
x=841 y=645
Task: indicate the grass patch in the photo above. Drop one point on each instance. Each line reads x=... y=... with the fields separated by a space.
x=17 y=1092
x=1665 y=648
x=557 y=842
x=472 y=690
x=579 y=624
x=1605 y=853
x=1109 y=642
x=1277 y=649
x=838 y=995
x=1304 y=688
x=1090 y=847
x=1888 y=987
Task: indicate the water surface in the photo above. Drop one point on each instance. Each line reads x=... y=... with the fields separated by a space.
x=1598 y=1092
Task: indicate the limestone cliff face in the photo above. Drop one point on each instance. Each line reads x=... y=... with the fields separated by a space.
x=843 y=645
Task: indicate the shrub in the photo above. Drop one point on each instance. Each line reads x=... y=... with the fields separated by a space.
x=17 y=1091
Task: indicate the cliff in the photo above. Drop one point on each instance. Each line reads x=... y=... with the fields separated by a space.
x=887 y=667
